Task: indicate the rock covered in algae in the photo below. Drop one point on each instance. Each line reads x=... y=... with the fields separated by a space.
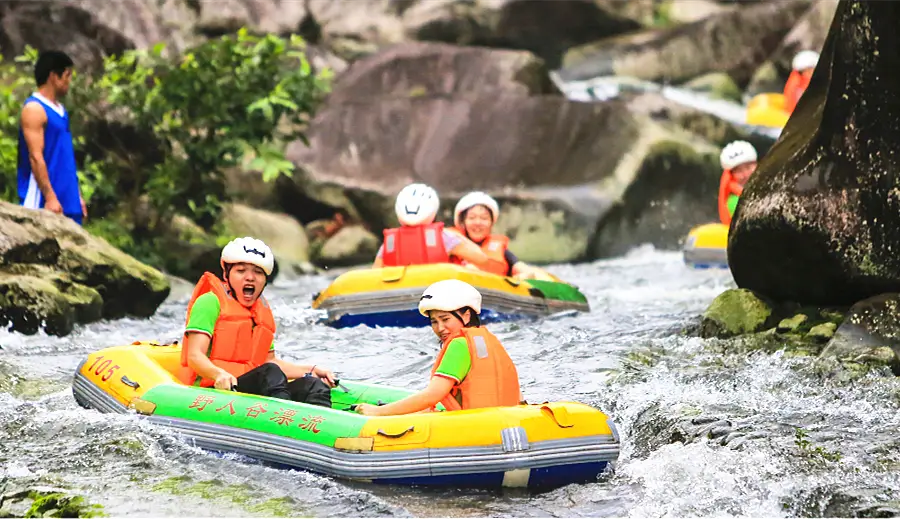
x=54 y=274
x=819 y=222
x=735 y=312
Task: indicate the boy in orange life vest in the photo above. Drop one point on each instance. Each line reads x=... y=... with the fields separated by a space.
x=420 y=240
x=472 y=369
x=228 y=339
x=474 y=216
x=738 y=161
x=804 y=64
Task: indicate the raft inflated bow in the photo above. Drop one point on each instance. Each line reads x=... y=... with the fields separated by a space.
x=707 y=246
x=535 y=446
x=389 y=296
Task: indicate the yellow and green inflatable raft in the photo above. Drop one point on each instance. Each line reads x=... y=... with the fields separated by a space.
x=707 y=246
x=390 y=296
x=539 y=446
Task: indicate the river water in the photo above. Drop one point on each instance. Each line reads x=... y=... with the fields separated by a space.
x=707 y=429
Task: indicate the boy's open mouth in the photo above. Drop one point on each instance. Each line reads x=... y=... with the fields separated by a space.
x=249 y=290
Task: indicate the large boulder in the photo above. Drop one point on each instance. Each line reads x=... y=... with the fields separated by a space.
x=558 y=169
x=545 y=28
x=735 y=41
x=672 y=191
x=54 y=273
x=818 y=221
x=88 y=30
x=352 y=245
x=428 y=69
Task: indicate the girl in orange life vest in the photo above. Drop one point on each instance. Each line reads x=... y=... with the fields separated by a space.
x=474 y=216
x=416 y=241
x=804 y=64
x=738 y=161
x=472 y=369
x=230 y=329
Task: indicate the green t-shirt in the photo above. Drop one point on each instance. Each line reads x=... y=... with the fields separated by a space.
x=456 y=362
x=204 y=315
x=732 y=203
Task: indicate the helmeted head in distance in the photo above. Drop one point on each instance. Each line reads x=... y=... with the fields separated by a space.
x=740 y=158
x=417 y=204
x=475 y=214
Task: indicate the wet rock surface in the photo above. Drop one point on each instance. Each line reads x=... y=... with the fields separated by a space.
x=54 y=274
x=818 y=220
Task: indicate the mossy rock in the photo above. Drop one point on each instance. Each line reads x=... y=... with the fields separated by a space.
x=735 y=312
x=822 y=332
x=792 y=324
x=717 y=84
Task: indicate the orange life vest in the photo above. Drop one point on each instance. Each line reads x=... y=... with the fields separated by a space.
x=414 y=245
x=241 y=338
x=796 y=84
x=492 y=380
x=494 y=247
x=727 y=186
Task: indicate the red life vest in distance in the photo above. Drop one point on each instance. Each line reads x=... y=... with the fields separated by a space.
x=794 y=88
x=241 y=338
x=492 y=380
x=727 y=186
x=414 y=245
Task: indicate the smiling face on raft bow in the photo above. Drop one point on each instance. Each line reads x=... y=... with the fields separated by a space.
x=247 y=282
x=478 y=223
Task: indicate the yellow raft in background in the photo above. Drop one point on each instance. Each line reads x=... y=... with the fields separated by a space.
x=767 y=110
x=538 y=446
x=707 y=246
x=390 y=296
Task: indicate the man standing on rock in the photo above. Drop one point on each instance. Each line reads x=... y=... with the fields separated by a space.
x=47 y=174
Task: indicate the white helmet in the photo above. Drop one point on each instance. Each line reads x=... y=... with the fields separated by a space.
x=737 y=153
x=471 y=200
x=417 y=204
x=450 y=295
x=805 y=59
x=249 y=250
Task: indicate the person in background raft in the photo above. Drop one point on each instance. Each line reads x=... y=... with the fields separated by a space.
x=230 y=331
x=472 y=370
x=474 y=216
x=804 y=64
x=46 y=170
x=419 y=239
x=738 y=161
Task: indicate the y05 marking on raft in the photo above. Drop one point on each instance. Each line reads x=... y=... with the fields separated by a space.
x=103 y=367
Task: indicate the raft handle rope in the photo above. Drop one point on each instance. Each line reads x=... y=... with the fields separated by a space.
x=128 y=382
x=398 y=435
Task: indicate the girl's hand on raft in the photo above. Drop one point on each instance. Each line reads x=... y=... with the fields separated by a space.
x=225 y=380
x=367 y=409
x=326 y=375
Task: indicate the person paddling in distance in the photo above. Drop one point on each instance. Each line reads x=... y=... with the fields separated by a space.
x=472 y=370
x=229 y=335
x=474 y=217
x=738 y=160
x=420 y=240
x=803 y=65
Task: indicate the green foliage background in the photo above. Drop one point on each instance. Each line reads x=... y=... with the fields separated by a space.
x=155 y=133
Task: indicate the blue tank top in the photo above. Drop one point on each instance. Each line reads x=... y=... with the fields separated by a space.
x=59 y=155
